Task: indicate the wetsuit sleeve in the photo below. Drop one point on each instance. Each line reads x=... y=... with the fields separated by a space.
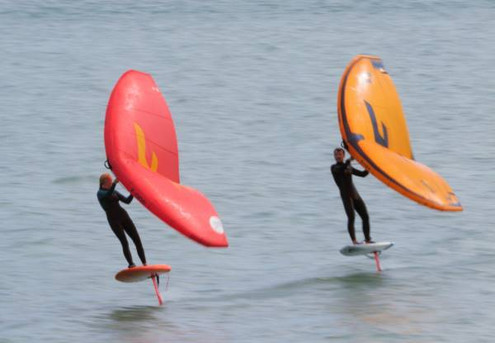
x=361 y=173
x=125 y=200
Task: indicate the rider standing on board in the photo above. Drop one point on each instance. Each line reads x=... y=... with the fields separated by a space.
x=342 y=174
x=118 y=218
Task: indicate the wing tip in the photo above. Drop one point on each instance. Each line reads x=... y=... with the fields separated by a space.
x=457 y=208
x=215 y=245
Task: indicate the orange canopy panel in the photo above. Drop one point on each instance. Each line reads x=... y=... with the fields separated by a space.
x=374 y=128
x=141 y=147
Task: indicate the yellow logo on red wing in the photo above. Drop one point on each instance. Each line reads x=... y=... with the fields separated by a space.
x=141 y=144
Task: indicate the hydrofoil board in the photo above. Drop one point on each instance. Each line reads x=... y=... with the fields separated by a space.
x=142 y=273
x=364 y=249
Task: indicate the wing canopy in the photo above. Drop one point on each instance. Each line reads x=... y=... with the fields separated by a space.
x=374 y=128
x=141 y=147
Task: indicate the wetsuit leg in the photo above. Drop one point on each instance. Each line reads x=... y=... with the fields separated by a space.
x=131 y=230
x=360 y=207
x=349 y=210
x=118 y=230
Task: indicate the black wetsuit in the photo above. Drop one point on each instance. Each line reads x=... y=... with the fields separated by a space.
x=342 y=174
x=120 y=221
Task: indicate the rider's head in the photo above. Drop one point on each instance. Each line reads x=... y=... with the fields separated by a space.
x=339 y=154
x=105 y=181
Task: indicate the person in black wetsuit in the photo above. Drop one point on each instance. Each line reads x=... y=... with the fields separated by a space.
x=342 y=174
x=118 y=218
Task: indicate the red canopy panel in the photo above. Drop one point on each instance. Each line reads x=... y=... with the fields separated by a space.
x=141 y=147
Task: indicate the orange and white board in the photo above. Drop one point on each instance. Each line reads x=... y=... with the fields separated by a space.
x=142 y=273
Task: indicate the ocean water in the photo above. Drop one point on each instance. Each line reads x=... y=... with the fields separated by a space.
x=252 y=87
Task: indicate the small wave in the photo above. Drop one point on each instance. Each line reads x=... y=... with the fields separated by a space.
x=75 y=179
x=354 y=280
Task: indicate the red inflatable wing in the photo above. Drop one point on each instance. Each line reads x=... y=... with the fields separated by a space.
x=141 y=147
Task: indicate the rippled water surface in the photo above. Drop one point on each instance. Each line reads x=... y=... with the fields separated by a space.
x=252 y=86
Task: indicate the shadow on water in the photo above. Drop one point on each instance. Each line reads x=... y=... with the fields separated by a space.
x=362 y=279
x=134 y=321
x=128 y=319
x=151 y=324
x=135 y=314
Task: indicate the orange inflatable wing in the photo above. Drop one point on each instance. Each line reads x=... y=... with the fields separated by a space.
x=374 y=128
x=141 y=147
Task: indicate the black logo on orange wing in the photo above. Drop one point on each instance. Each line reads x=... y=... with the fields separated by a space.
x=382 y=140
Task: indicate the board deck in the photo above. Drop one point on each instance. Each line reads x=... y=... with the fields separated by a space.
x=363 y=249
x=141 y=273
